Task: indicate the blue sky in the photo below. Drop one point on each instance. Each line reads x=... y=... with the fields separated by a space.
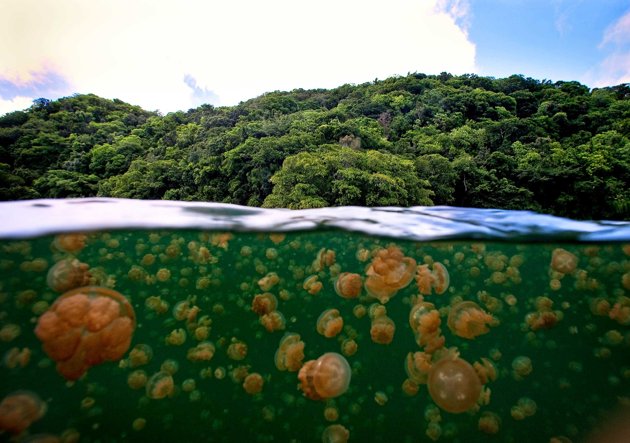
x=170 y=55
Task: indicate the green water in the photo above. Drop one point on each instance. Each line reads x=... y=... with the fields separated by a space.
x=581 y=370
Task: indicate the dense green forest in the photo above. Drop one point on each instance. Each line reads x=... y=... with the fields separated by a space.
x=516 y=143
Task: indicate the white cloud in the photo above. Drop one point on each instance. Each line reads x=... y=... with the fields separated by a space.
x=143 y=51
x=614 y=68
x=16 y=104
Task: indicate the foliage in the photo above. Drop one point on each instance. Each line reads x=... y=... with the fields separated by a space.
x=463 y=140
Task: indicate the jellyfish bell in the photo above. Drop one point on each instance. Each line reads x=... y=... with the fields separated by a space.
x=467 y=320
x=348 y=285
x=563 y=261
x=19 y=410
x=388 y=272
x=335 y=434
x=68 y=274
x=85 y=327
x=160 y=385
x=329 y=323
x=453 y=384
x=327 y=377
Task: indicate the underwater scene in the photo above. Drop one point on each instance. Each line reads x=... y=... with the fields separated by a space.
x=309 y=335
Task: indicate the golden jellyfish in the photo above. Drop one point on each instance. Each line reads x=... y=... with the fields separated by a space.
x=274 y=321
x=327 y=377
x=290 y=353
x=521 y=367
x=160 y=385
x=268 y=281
x=325 y=258
x=137 y=379
x=19 y=410
x=489 y=423
x=85 y=327
x=437 y=279
x=237 y=350
x=348 y=285
x=253 y=383
x=329 y=323
x=620 y=311
x=485 y=370
x=141 y=354
x=204 y=351
x=425 y=322
x=388 y=272
x=264 y=303
x=563 y=261
x=72 y=243
x=467 y=320
x=382 y=330
x=417 y=366
x=312 y=285
x=68 y=274
x=349 y=347
x=453 y=384
x=335 y=434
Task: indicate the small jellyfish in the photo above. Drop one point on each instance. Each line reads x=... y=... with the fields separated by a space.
x=312 y=285
x=327 y=377
x=335 y=434
x=268 y=281
x=19 y=410
x=453 y=384
x=137 y=379
x=348 y=285
x=253 y=383
x=489 y=423
x=237 y=350
x=388 y=272
x=72 y=243
x=204 y=351
x=382 y=330
x=425 y=322
x=141 y=354
x=329 y=323
x=437 y=279
x=563 y=261
x=160 y=385
x=521 y=367
x=290 y=353
x=68 y=274
x=264 y=303
x=274 y=321
x=85 y=327
x=349 y=347
x=467 y=320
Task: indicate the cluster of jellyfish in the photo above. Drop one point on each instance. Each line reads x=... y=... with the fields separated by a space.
x=90 y=323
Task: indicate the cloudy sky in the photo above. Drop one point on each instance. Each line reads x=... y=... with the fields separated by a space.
x=170 y=55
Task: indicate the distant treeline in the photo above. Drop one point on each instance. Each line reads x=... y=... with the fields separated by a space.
x=516 y=143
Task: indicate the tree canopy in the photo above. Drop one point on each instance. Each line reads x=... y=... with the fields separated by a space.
x=516 y=142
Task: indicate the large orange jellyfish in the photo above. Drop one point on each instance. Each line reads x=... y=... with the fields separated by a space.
x=467 y=320
x=19 y=410
x=388 y=272
x=348 y=285
x=68 y=274
x=453 y=384
x=85 y=327
x=326 y=377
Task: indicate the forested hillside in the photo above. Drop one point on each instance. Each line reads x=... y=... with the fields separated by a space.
x=515 y=143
